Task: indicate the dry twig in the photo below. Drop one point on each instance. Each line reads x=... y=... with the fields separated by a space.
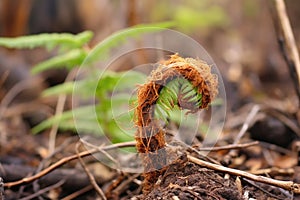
x=101 y=151
x=274 y=171
x=90 y=175
x=263 y=190
x=246 y=125
x=64 y=161
x=58 y=111
x=74 y=179
x=46 y=160
x=287 y=42
x=288 y=185
x=228 y=147
x=123 y=186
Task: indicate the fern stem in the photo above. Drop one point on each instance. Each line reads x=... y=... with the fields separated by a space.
x=177 y=82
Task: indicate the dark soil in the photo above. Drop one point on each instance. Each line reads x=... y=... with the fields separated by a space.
x=189 y=181
x=185 y=180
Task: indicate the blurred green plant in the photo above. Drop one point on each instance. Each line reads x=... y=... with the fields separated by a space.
x=96 y=119
x=73 y=52
x=190 y=16
x=108 y=113
x=65 y=41
x=250 y=8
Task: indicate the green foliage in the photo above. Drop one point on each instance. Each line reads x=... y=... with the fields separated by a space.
x=71 y=53
x=168 y=98
x=110 y=109
x=102 y=50
x=191 y=15
x=71 y=48
x=62 y=40
x=189 y=18
x=87 y=118
x=70 y=59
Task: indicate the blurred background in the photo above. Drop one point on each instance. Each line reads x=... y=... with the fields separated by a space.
x=239 y=35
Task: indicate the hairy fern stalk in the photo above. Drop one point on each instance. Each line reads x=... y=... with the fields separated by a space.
x=185 y=83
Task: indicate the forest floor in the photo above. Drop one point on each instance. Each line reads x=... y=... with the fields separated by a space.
x=257 y=156
x=193 y=175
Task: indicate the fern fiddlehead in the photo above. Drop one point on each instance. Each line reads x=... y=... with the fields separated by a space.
x=175 y=94
x=185 y=83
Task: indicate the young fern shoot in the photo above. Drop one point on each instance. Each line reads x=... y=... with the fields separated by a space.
x=183 y=83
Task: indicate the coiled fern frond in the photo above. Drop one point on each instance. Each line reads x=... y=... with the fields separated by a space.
x=183 y=83
x=173 y=95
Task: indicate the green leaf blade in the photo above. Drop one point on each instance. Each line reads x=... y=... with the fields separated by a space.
x=72 y=58
x=48 y=40
x=101 y=51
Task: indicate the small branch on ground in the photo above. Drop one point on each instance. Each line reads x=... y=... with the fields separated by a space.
x=44 y=190
x=265 y=191
x=229 y=147
x=287 y=43
x=90 y=175
x=274 y=171
x=46 y=161
x=120 y=186
x=287 y=185
x=74 y=178
x=247 y=123
x=232 y=153
x=59 y=110
x=64 y=161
